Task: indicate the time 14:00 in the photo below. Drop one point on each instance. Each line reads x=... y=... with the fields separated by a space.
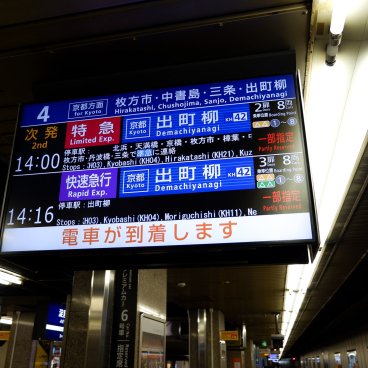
x=35 y=216
x=43 y=162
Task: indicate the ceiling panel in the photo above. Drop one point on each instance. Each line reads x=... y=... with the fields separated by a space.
x=248 y=294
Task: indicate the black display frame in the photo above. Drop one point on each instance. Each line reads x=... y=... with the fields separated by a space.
x=286 y=252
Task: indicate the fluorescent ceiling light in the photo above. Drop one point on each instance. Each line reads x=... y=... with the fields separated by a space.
x=336 y=28
x=338 y=16
x=8 y=277
x=6 y=320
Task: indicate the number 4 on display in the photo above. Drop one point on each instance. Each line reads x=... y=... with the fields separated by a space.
x=44 y=114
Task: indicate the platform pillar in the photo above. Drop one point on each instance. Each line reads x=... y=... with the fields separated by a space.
x=94 y=337
x=20 y=343
x=205 y=348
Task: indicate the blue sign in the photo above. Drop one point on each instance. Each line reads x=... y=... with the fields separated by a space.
x=188 y=177
x=55 y=322
x=188 y=123
x=140 y=105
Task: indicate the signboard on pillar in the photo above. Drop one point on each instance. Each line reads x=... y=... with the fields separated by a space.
x=49 y=321
x=124 y=321
x=4 y=336
x=229 y=335
x=201 y=167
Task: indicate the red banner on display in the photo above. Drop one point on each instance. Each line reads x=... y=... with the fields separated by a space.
x=96 y=132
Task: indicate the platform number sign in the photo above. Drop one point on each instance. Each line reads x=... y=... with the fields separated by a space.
x=44 y=114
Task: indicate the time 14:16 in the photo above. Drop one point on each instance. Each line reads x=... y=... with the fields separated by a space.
x=36 y=216
x=43 y=162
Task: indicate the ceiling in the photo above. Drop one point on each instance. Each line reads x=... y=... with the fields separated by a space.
x=71 y=49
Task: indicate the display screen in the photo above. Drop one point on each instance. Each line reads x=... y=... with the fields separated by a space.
x=207 y=164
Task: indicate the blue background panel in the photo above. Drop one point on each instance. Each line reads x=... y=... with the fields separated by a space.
x=188 y=177
x=188 y=123
x=160 y=100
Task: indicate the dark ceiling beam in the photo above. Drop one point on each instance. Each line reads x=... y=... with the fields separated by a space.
x=55 y=45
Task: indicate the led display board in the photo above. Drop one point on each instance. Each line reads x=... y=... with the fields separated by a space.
x=187 y=167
